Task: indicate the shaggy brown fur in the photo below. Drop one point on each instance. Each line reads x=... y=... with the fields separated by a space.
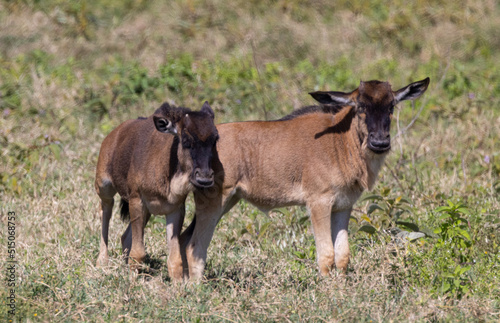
x=319 y=157
x=153 y=170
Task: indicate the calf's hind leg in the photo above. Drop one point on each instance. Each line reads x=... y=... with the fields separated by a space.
x=340 y=222
x=126 y=238
x=175 y=257
x=106 y=192
x=127 y=241
x=139 y=217
x=183 y=242
x=107 y=210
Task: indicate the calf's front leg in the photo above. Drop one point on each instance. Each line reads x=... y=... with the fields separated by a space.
x=197 y=239
x=196 y=249
x=174 y=227
x=321 y=221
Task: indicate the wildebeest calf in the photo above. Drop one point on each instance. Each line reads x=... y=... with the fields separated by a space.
x=153 y=163
x=321 y=156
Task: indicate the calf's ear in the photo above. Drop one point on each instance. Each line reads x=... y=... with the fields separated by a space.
x=333 y=98
x=164 y=125
x=207 y=109
x=412 y=91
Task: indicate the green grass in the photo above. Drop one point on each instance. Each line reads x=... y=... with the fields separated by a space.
x=70 y=72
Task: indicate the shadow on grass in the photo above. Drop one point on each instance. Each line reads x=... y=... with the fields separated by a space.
x=239 y=276
x=153 y=267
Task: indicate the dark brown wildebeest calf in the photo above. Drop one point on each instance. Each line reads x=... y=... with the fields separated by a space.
x=322 y=157
x=153 y=170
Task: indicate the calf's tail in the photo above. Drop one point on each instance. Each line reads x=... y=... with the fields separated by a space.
x=124 y=210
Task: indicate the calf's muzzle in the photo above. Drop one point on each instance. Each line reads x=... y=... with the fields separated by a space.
x=379 y=142
x=203 y=178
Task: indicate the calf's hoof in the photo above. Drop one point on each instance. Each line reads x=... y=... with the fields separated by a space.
x=102 y=260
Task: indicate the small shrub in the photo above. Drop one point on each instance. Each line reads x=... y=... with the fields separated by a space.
x=444 y=263
x=453 y=250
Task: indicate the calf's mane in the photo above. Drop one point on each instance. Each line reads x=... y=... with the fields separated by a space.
x=172 y=111
x=327 y=108
x=175 y=113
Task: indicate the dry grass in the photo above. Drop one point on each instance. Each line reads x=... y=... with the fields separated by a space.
x=450 y=152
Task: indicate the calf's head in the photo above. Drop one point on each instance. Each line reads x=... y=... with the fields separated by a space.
x=374 y=103
x=197 y=137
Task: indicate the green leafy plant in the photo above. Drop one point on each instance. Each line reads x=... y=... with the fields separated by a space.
x=453 y=247
x=176 y=73
x=384 y=211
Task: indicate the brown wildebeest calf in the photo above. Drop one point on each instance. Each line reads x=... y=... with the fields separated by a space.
x=321 y=156
x=153 y=170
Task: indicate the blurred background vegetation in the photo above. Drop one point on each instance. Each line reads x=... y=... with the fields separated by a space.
x=72 y=66
x=71 y=71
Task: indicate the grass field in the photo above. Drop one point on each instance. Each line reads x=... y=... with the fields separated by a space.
x=71 y=71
